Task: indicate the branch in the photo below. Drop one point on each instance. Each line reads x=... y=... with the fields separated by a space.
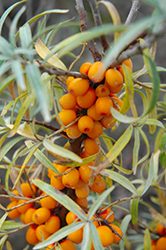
x=84 y=27
x=98 y=22
x=133 y=12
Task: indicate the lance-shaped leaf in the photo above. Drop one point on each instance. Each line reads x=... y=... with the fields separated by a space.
x=2 y=241
x=150 y=175
x=154 y=122
x=136 y=150
x=147 y=240
x=163 y=151
x=134 y=211
x=95 y=237
x=18 y=71
x=87 y=239
x=58 y=150
x=7 y=225
x=33 y=75
x=114 y=15
x=122 y=180
x=147 y=146
x=62 y=198
x=26 y=38
x=6 y=82
x=124 y=226
x=43 y=51
x=2 y=220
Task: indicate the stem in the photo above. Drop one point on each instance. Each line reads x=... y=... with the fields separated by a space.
x=133 y=12
x=84 y=27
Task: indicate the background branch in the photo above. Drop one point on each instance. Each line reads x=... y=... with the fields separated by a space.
x=133 y=12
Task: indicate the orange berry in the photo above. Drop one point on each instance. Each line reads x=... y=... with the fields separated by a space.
x=98 y=185
x=106 y=235
x=153 y=242
x=25 y=207
x=52 y=224
x=96 y=72
x=153 y=247
x=78 y=86
x=13 y=214
x=85 y=172
x=128 y=63
x=121 y=70
x=87 y=100
x=22 y=218
x=56 y=182
x=161 y=243
x=71 y=217
x=70 y=179
x=103 y=105
x=69 y=79
x=41 y=215
x=50 y=247
x=102 y=90
x=67 y=101
x=31 y=236
x=73 y=131
x=117 y=233
x=95 y=222
x=93 y=113
x=28 y=215
x=14 y=192
x=80 y=184
x=82 y=192
x=85 y=124
x=76 y=236
x=114 y=80
x=60 y=168
x=107 y=121
x=117 y=102
x=84 y=154
x=67 y=244
x=50 y=172
x=96 y=131
x=91 y=146
x=81 y=202
x=41 y=233
x=108 y=215
x=84 y=69
x=67 y=116
x=27 y=189
x=48 y=202
x=160 y=229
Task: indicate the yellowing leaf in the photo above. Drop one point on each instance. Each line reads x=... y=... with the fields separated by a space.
x=43 y=51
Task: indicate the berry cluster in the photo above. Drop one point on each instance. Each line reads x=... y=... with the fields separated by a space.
x=89 y=100
x=159 y=244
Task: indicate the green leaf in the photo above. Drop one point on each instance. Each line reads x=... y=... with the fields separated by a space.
x=18 y=71
x=147 y=146
x=95 y=238
x=62 y=198
x=33 y=75
x=123 y=118
x=98 y=202
x=134 y=211
x=2 y=219
x=58 y=150
x=29 y=99
x=155 y=3
x=124 y=226
x=5 y=47
x=6 y=13
x=6 y=82
x=161 y=69
x=154 y=122
x=136 y=150
x=150 y=175
x=26 y=38
x=7 y=225
x=87 y=240
x=127 y=37
x=2 y=241
x=163 y=151
x=147 y=240
x=60 y=234
x=122 y=180
x=120 y=144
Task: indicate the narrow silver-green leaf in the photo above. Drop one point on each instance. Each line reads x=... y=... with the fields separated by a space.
x=122 y=180
x=95 y=238
x=7 y=225
x=150 y=175
x=136 y=150
x=62 y=198
x=134 y=210
x=154 y=122
x=98 y=202
x=87 y=240
x=123 y=118
x=26 y=38
x=18 y=71
x=2 y=219
x=2 y=241
x=56 y=149
x=147 y=240
x=147 y=145
x=5 y=47
x=124 y=226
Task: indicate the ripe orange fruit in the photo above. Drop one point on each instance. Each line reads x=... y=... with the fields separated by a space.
x=82 y=192
x=108 y=215
x=161 y=243
x=107 y=121
x=78 y=86
x=70 y=217
x=56 y=182
x=85 y=172
x=14 y=192
x=67 y=116
x=69 y=79
x=114 y=80
x=118 y=232
x=13 y=214
x=41 y=215
x=96 y=131
x=41 y=233
x=128 y=63
x=121 y=70
x=48 y=202
x=67 y=101
x=76 y=236
x=85 y=124
x=93 y=113
x=103 y=105
x=87 y=100
x=96 y=72
x=106 y=235
x=117 y=102
x=25 y=207
x=84 y=69
x=160 y=229
x=50 y=247
x=91 y=146
x=31 y=236
x=52 y=224
x=70 y=179
x=28 y=215
x=98 y=185
x=73 y=131
x=81 y=202
x=102 y=90
x=67 y=244
x=27 y=189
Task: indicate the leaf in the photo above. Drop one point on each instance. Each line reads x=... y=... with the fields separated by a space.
x=95 y=237
x=6 y=82
x=122 y=180
x=134 y=211
x=150 y=175
x=147 y=240
x=18 y=71
x=123 y=118
x=33 y=75
x=114 y=15
x=87 y=240
x=5 y=47
x=6 y=13
x=21 y=113
x=26 y=38
x=120 y=144
x=124 y=226
x=147 y=146
x=56 y=149
x=62 y=198
x=135 y=150
x=154 y=122
x=7 y=225
x=43 y=51
x=98 y=202
x=2 y=241
x=163 y=151
x=2 y=219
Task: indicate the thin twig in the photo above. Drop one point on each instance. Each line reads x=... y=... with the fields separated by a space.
x=16 y=230
x=98 y=22
x=133 y=12
x=84 y=27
